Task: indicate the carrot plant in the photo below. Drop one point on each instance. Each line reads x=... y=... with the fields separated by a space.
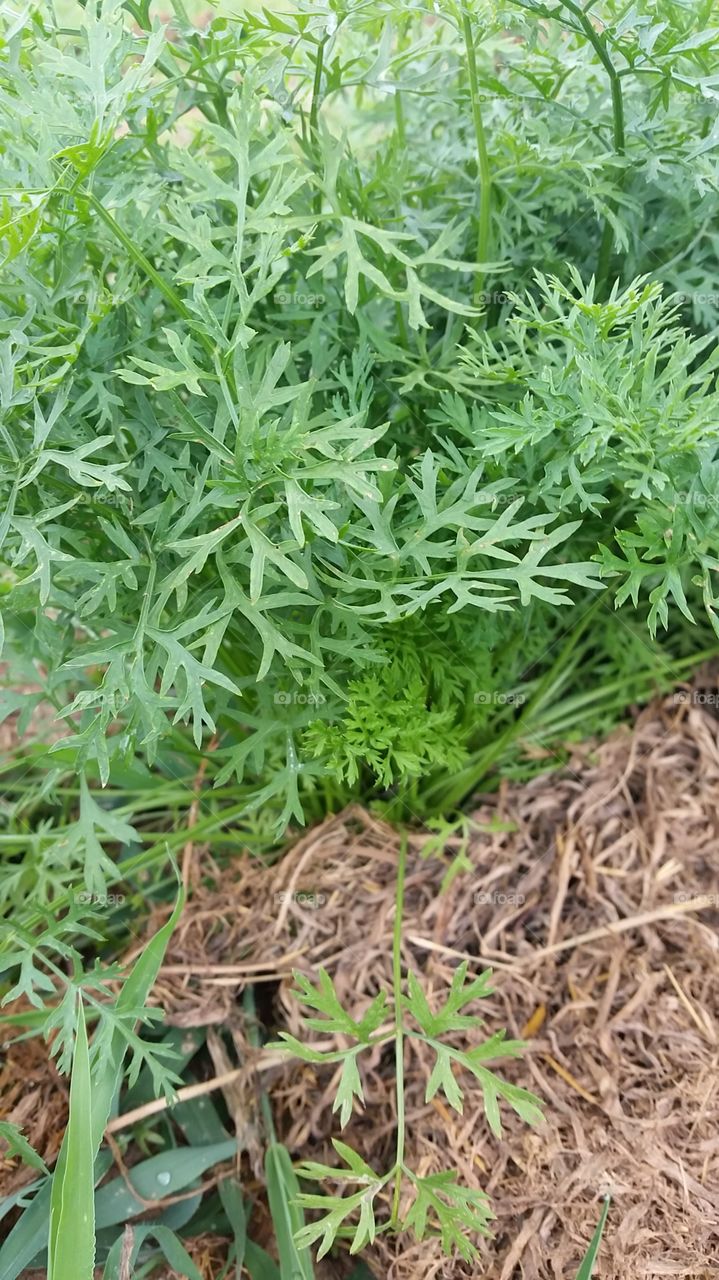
x=425 y=1205
x=339 y=359
x=437 y=1203
x=357 y=364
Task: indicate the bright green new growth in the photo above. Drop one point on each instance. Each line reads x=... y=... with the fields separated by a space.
x=439 y=1205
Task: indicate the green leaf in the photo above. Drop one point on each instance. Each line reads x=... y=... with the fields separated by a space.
x=162 y=1175
x=71 y=1249
x=171 y=1247
x=30 y=1233
x=586 y=1271
x=133 y=995
x=94 y=818
x=443 y=1207
x=357 y=1169
x=335 y=1212
x=325 y=1000
x=442 y=1078
x=449 y=1018
x=283 y=1192
x=230 y=1192
x=348 y=1087
x=17 y=1145
x=259 y=1264
x=526 y=1104
x=338 y=1209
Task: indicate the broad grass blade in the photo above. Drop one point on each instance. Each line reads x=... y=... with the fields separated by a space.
x=282 y=1191
x=71 y=1254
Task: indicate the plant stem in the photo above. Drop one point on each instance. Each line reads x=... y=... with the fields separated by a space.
x=402 y=142
x=399 y=118
x=484 y=228
x=399 y=1026
x=174 y=299
x=317 y=86
x=315 y=114
x=599 y=45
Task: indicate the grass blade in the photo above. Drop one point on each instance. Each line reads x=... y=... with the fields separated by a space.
x=162 y=1175
x=282 y=1191
x=259 y=1264
x=234 y=1207
x=133 y=996
x=71 y=1253
x=587 y=1268
x=172 y=1248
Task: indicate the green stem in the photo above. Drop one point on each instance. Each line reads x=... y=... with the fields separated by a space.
x=140 y=13
x=138 y=256
x=315 y=113
x=599 y=45
x=399 y=1026
x=484 y=228
x=402 y=141
x=399 y=118
x=317 y=87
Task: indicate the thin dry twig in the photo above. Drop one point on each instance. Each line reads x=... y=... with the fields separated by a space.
x=158 y=1105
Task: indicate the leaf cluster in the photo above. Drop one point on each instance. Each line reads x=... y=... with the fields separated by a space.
x=438 y=1204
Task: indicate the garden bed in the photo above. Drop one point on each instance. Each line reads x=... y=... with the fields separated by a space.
x=360 y=455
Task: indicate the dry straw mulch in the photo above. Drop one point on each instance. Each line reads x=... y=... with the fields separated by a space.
x=598 y=910
x=34 y=1096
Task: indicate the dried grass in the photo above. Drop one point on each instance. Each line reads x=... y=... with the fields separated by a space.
x=35 y=1098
